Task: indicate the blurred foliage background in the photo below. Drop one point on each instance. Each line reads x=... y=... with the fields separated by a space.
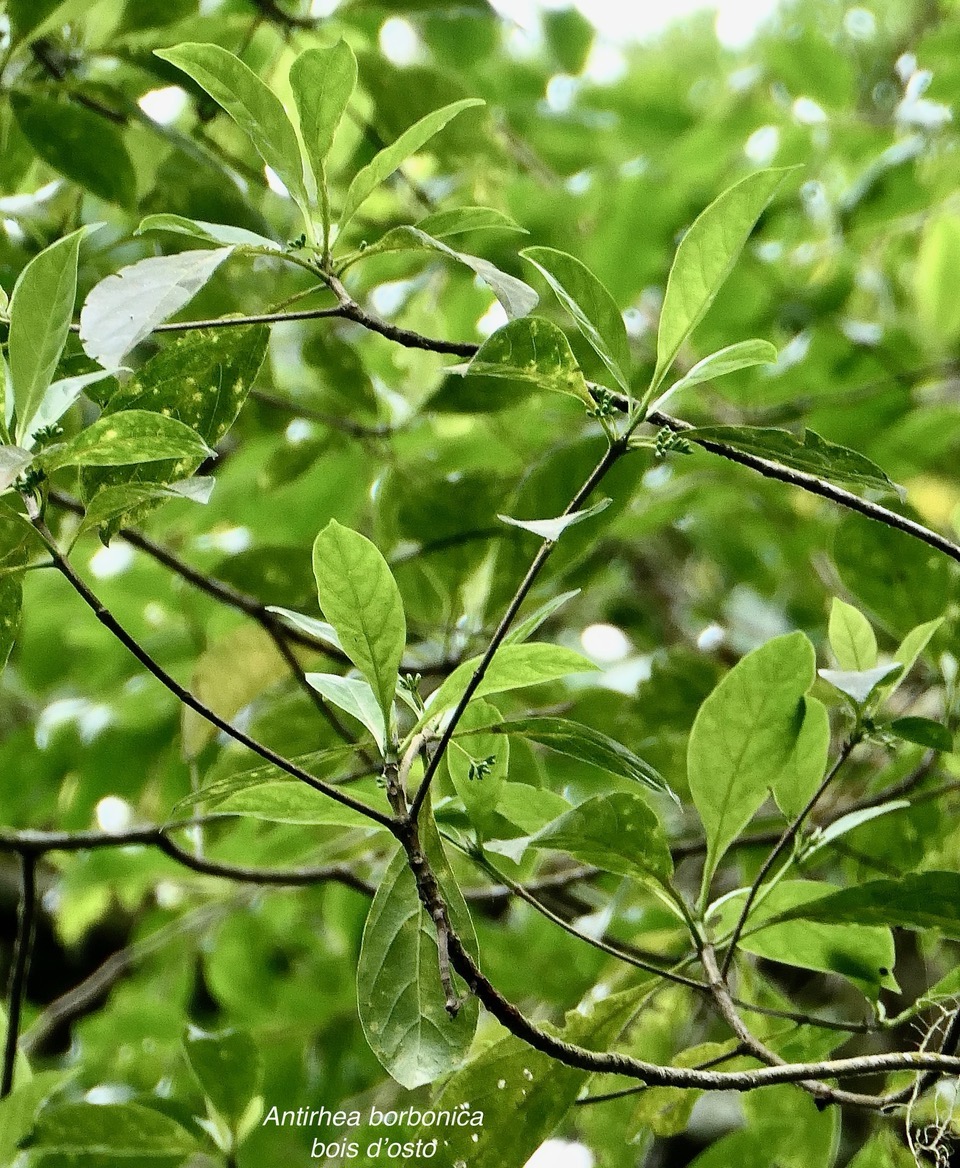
x=607 y=151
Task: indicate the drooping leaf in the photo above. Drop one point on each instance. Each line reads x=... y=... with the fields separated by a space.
x=58 y=398
x=322 y=630
x=131 y=436
x=917 y=901
x=864 y=955
x=744 y=734
x=114 y=502
x=110 y=1132
x=124 y=308
x=323 y=81
x=704 y=259
x=250 y=102
x=852 y=638
x=367 y=180
x=517 y=298
x=587 y=745
x=224 y=234
x=83 y=146
x=858 y=684
x=924 y=732
x=533 y=350
x=399 y=993
x=228 y=1068
x=360 y=598
x=742 y=355
x=11 y=601
x=590 y=305
x=551 y=529
x=41 y=309
x=616 y=832
x=14 y=460
x=356 y=697
x=812 y=455
x=513 y=667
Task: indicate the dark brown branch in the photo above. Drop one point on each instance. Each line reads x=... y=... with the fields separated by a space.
x=23 y=945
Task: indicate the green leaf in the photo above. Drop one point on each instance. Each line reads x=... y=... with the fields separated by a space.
x=41 y=309
x=114 y=502
x=909 y=650
x=803 y=771
x=460 y=220
x=852 y=638
x=744 y=734
x=81 y=145
x=922 y=731
x=858 y=685
x=322 y=630
x=125 y=308
x=480 y=795
x=524 y=629
x=356 y=698
x=550 y=530
x=585 y=744
x=323 y=81
x=812 y=455
x=532 y=350
x=58 y=398
x=11 y=602
x=131 y=436
x=253 y=106
x=510 y=1082
x=617 y=833
x=399 y=993
x=513 y=667
x=590 y=304
x=228 y=1068
x=111 y=1132
x=822 y=837
x=704 y=259
x=530 y=808
x=14 y=460
x=290 y=801
x=864 y=955
x=222 y=233
x=742 y=355
x=917 y=901
x=18 y=1112
x=360 y=598
x=367 y=180
x=516 y=297
x=884 y=1150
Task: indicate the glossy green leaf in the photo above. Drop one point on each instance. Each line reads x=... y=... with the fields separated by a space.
x=852 y=638
x=81 y=145
x=323 y=81
x=228 y=1068
x=517 y=298
x=803 y=771
x=822 y=838
x=114 y=502
x=290 y=801
x=909 y=650
x=132 y=436
x=530 y=808
x=355 y=697
x=110 y=1132
x=367 y=180
x=224 y=234
x=617 y=833
x=919 y=900
x=41 y=309
x=864 y=955
x=744 y=734
x=399 y=992
x=589 y=303
x=812 y=455
x=532 y=350
x=585 y=744
x=704 y=259
x=322 y=630
x=11 y=601
x=924 y=732
x=550 y=530
x=58 y=398
x=513 y=667
x=250 y=102
x=742 y=355
x=124 y=308
x=460 y=220
x=360 y=598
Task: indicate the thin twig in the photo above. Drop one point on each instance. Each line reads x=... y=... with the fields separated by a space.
x=26 y=919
